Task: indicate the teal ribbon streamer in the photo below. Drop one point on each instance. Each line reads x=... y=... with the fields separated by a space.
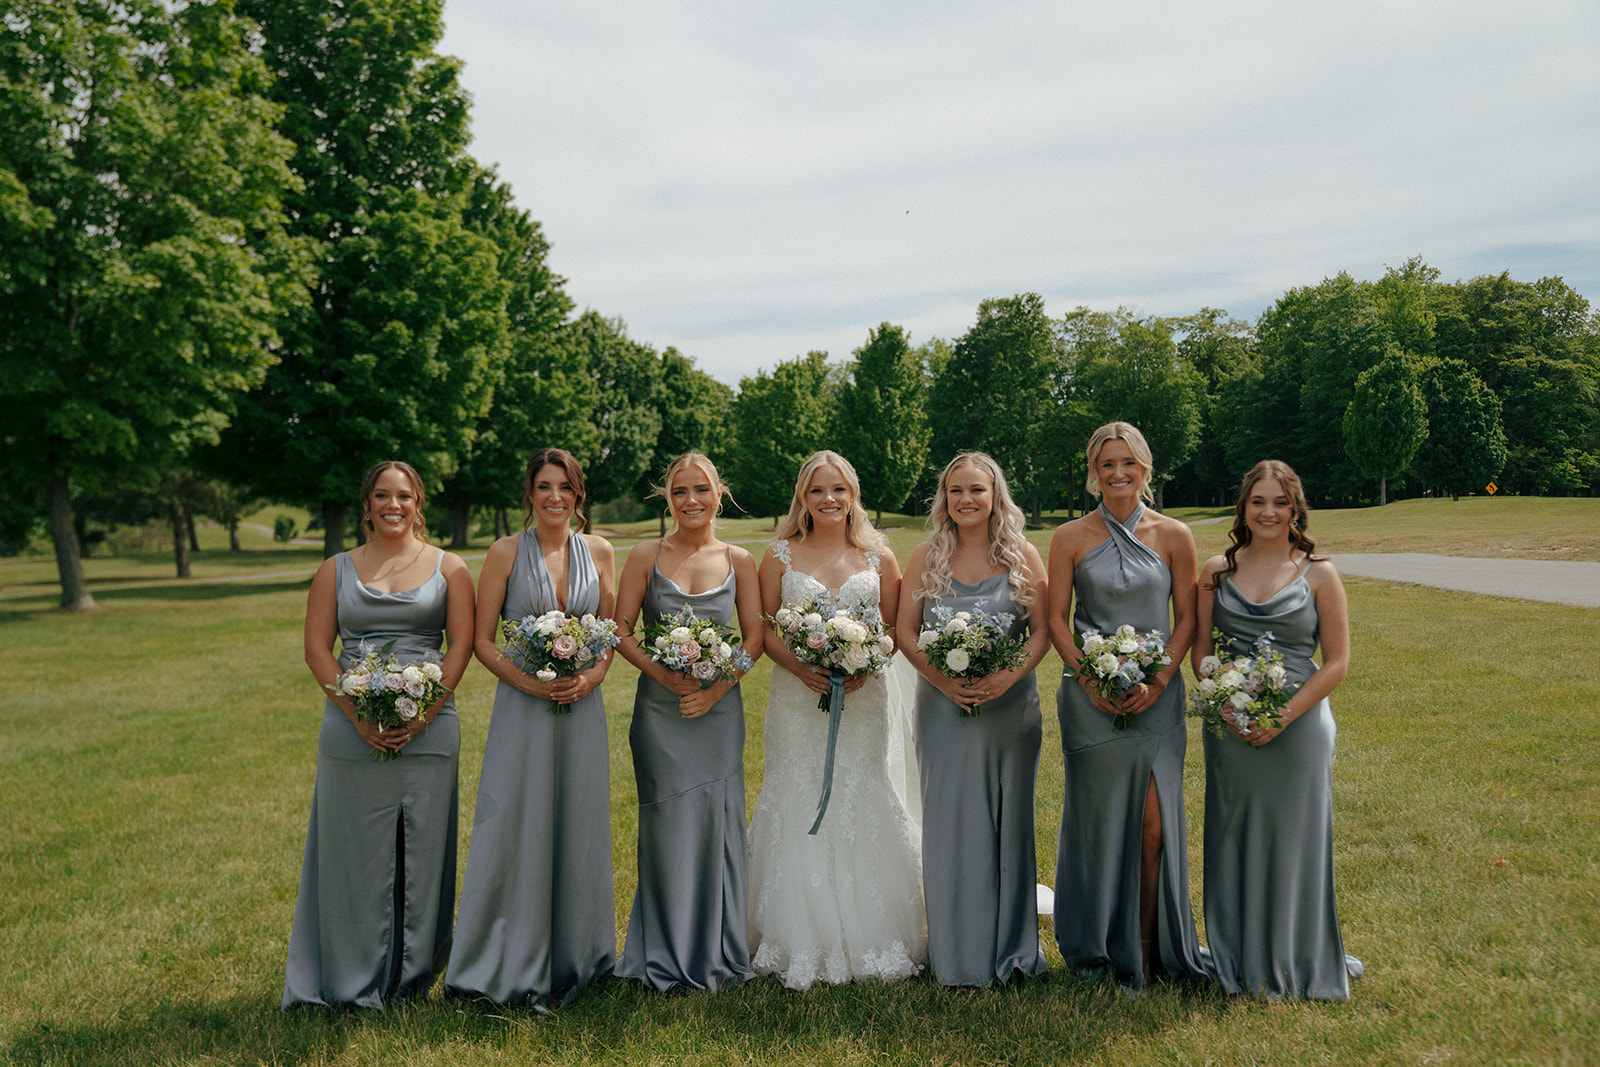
x=835 y=704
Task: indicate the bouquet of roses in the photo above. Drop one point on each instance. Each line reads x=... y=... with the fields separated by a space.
x=685 y=643
x=1246 y=690
x=1118 y=663
x=841 y=640
x=388 y=693
x=557 y=645
x=971 y=644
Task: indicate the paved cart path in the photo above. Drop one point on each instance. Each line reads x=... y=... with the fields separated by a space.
x=1555 y=581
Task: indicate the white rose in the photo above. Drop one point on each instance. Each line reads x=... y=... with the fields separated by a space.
x=886 y=645
x=414 y=673
x=1127 y=645
x=549 y=622
x=1277 y=675
x=1208 y=687
x=662 y=643
x=964 y=616
x=708 y=637
x=855 y=658
x=956 y=625
x=1106 y=663
x=811 y=621
x=725 y=650
x=1209 y=666
x=850 y=630
x=545 y=675
x=957 y=660
x=1231 y=679
x=1125 y=630
x=432 y=671
x=784 y=617
x=926 y=638
x=678 y=635
x=1240 y=700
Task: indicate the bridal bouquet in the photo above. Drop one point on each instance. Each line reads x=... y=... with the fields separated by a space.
x=1247 y=690
x=388 y=693
x=971 y=644
x=557 y=645
x=685 y=643
x=843 y=641
x=1118 y=663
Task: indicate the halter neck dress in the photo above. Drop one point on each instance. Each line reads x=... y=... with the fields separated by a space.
x=1098 y=854
x=537 y=920
x=688 y=924
x=378 y=884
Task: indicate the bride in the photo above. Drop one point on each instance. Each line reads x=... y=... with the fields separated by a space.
x=845 y=903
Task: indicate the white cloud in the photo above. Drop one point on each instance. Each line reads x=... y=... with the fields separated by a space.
x=750 y=181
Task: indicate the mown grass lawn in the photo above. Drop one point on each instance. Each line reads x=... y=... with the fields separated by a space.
x=160 y=754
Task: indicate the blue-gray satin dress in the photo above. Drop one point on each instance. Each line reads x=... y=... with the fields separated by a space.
x=1122 y=581
x=689 y=921
x=537 y=921
x=979 y=871
x=378 y=884
x=1271 y=921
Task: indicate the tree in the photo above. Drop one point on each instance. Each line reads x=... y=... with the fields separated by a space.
x=996 y=394
x=1465 y=448
x=627 y=405
x=1386 y=420
x=1128 y=368
x=779 y=420
x=396 y=353
x=142 y=242
x=1219 y=348
x=882 y=424
x=694 y=418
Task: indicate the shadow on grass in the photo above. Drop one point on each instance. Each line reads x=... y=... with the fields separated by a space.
x=30 y=608
x=1042 y=1020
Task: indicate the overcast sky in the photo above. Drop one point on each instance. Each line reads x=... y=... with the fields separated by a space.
x=751 y=179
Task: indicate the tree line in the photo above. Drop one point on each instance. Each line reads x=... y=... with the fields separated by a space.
x=245 y=253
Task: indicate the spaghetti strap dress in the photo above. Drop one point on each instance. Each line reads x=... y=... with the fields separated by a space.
x=378 y=884
x=538 y=921
x=1272 y=923
x=1122 y=581
x=688 y=924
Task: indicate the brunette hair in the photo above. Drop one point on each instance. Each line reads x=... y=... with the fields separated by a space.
x=1006 y=538
x=554 y=457
x=1129 y=433
x=370 y=482
x=858 y=532
x=1298 y=521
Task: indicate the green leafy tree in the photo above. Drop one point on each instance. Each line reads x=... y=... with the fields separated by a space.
x=1465 y=448
x=1219 y=349
x=627 y=405
x=694 y=409
x=779 y=419
x=882 y=424
x=398 y=349
x=141 y=241
x=997 y=393
x=1124 y=367
x=1386 y=420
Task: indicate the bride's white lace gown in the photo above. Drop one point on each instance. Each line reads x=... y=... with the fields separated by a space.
x=847 y=902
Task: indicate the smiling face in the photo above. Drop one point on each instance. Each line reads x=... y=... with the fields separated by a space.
x=693 y=497
x=1119 y=471
x=393 y=504
x=828 y=497
x=1268 y=510
x=969 y=496
x=553 y=498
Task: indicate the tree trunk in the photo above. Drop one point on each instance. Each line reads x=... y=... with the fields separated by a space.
x=180 y=537
x=1383 y=491
x=74 y=587
x=233 y=536
x=1161 y=496
x=459 y=521
x=194 y=539
x=332 y=529
x=662 y=517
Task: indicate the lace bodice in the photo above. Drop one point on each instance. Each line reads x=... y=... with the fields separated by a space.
x=860 y=588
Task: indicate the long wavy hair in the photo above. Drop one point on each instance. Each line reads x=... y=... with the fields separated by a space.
x=684 y=462
x=557 y=457
x=1006 y=538
x=1129 y=433
x=858 y=531
x=1240 y=534
x=419 y=529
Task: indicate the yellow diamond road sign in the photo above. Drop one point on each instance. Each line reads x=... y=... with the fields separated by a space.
x=1492 y=488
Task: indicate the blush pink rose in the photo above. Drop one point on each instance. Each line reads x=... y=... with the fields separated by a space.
x=690 y=651
x=565 y=646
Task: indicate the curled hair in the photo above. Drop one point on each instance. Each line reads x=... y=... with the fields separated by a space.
x=1006 y=539
x=1240 y=535
x=1128 y=433
x=858 y=532
x=683 y=463
x=419 y=529
x=554 y=457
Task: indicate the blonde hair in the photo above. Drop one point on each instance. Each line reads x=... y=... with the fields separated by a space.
x=858 y=530
x=419 y=529
x=1129 y=434
x=683 y=463
x=1006 y=539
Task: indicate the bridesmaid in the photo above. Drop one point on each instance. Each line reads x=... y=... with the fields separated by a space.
x=1271 y=921
x=378 y=884
x=688 y=923
x=978 y=773
x=1122 y=873
x=537 y=922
